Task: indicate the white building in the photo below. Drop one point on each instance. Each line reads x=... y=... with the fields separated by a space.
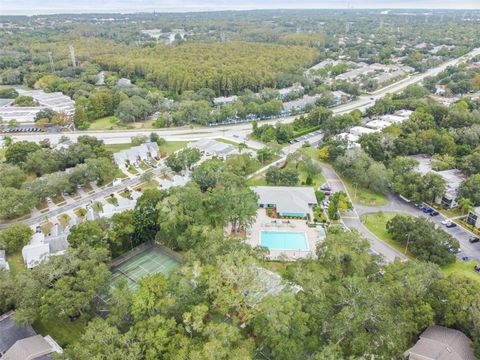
x=210 y=147
x=3 y=261
x=378 y=124
x=361 y=130
x=136 y=154
x=223 y=100
x=26 y=115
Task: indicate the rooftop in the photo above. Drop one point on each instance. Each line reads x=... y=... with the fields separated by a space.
x=286 y=199
x=10 y=332
x=441 y=343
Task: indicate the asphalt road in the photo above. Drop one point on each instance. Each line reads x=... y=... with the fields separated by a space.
x=352 y=219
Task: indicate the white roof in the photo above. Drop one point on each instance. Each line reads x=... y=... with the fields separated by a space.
x=378 y=124
x=360 y=130
x=286 y=199
x=225 y=99
x=213 y=147
x=35 y=254
x=393 y=119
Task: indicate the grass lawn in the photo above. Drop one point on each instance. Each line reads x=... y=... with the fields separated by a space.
x=152 y=184
x=258 y=180
x=144 y=166
x=15 y=261
x=132 y=170
x=112 y=200
x=2 y=153
x=125 y=193
x=106 y=123
x=172 y=146
x=58 y=199
x=64 y=332
x=117 y=147
x=462 y=268
x=46 y=227
x=42 y=205
x=377 y=223
x=97 y=206
x=363 y=196
x=63 y=219
x=87 y=188
x=80 y=212
x=120 y=174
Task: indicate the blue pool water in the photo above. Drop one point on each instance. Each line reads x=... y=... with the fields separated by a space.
x=283 y=240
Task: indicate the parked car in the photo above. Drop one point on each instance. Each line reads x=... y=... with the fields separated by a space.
x=451 y=224
x=473 y=239
x=427 y=210
x=325 y=187
x=328 y=193
x=446 y=221
x=434 y=213
x=476 y=268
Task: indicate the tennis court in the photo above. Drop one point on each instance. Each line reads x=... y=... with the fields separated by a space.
x=148 y=262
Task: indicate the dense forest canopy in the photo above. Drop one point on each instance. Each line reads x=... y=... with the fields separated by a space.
x=227 y=68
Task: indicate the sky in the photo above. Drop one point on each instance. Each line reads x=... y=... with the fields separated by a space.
x=33 y=7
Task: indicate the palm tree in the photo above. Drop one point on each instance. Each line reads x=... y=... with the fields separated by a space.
x=465 y=205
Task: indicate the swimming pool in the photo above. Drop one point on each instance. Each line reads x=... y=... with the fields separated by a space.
x=283 y=240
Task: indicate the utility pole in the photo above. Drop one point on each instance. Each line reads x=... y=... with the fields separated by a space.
x=50 y=58
x=408 y=241
x=72 y=55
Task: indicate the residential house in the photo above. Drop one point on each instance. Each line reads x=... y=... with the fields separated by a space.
x=23 y=343
x=136 y=154
x=41 y=247
x=210 y=147
x=441 y=343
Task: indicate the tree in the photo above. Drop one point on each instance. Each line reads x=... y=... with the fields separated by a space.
x=103 y=340
x=17 y=153
x=282 y=177
x=241 y=164
x=282 y=328
x=11 y=176
x=238 y=206
x=15 y=202
x=208 y=174
x=465 y=205
x=139 y=140
x=423 y=240
x=14 y=237
x=470 y=189
x=89 y=233
x=145 y=215
x=183 y=159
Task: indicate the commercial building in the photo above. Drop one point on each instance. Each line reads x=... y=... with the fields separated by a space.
x=287 y=201
x=453 y=179
x=26 y=115
x=473 y=217
x=441 y=343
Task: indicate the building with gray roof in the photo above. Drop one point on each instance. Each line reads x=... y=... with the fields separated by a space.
x=22 y=342
x=216 y=148
x=441 y=343
x=135 y=154
x=287 y=200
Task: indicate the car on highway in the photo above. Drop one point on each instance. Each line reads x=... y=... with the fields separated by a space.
x=446 y=221
x=473 y=239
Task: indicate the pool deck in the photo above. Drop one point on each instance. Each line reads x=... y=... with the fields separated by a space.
x=265 y=223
